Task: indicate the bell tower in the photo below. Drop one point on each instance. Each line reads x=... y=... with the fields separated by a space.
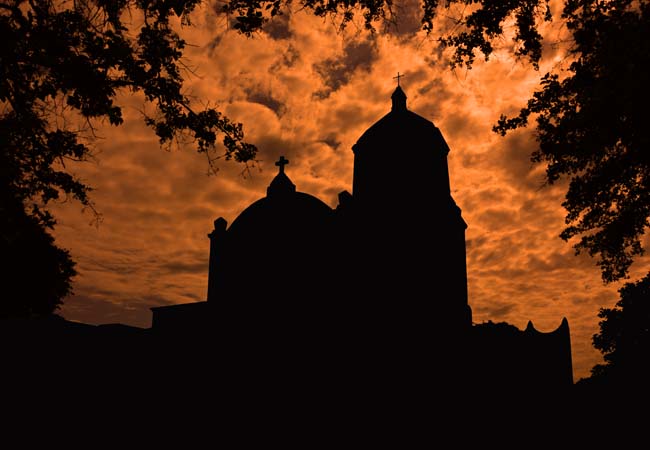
x=410 y=232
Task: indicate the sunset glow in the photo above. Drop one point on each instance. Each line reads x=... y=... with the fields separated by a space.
x=306 y=91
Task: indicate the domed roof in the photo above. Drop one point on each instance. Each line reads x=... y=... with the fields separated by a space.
x=298 y=209
x=284 y=238
x=284 y=209
x=400 y=124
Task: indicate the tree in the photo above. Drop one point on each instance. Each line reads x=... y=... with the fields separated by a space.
x=591 y=127
x=62 y=64
x=624 y=337
x=590 y=119
x=36 y=274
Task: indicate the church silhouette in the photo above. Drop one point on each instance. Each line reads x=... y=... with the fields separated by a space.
x=380 y=281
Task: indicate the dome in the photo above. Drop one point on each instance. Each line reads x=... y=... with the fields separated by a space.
x=401 y=126
x=283 y=211
x=295 y=211
x=285 y=237
x=400 y=162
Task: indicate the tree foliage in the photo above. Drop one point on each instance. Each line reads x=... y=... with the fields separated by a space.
x=624 y=337
x=590 y=119
x=480 y=23
x=36 y=274
x=62 y=64
x=77 y=56
x=591 y=128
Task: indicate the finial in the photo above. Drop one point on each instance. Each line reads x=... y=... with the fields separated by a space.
x=281 y=163
x=399 y=99
x=398 y=77
x=281 y=184
x=220 y=224
x=219 y=231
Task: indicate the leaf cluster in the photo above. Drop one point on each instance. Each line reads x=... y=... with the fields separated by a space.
x=62 y=59
x=624 y=336
x=591 y=125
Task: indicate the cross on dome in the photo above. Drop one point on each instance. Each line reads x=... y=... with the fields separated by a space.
x=281 y=184
x=398 y=77
x=281 y=163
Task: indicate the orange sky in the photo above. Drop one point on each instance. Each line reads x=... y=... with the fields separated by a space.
x=308 y=93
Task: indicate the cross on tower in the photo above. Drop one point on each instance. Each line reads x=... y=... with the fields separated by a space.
x=281 y=163
x=398 y=77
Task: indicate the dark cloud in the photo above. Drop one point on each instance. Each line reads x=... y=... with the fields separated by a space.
x=471 y=159
x=272 y=147
x=256 y=94
x=175 y=267
x=287 y=60
x=550 y=263
x=141 y=215
x=214 y=43
x=515 y=151
x=96 y=307
x=195 y=212
x=279 y=27
x=336 y=72
x=415 y=77
x=183 y=261
x=482 y=199
x=497 y=218
x=434 y=88
x=495 y=260
x=476 y=242
x=497 y=310
x=459 y=125
x=126 y=267
x=351 y=115
x=408 y=18
x=331 y=141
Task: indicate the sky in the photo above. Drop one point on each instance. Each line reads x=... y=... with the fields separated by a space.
x=304 y=90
